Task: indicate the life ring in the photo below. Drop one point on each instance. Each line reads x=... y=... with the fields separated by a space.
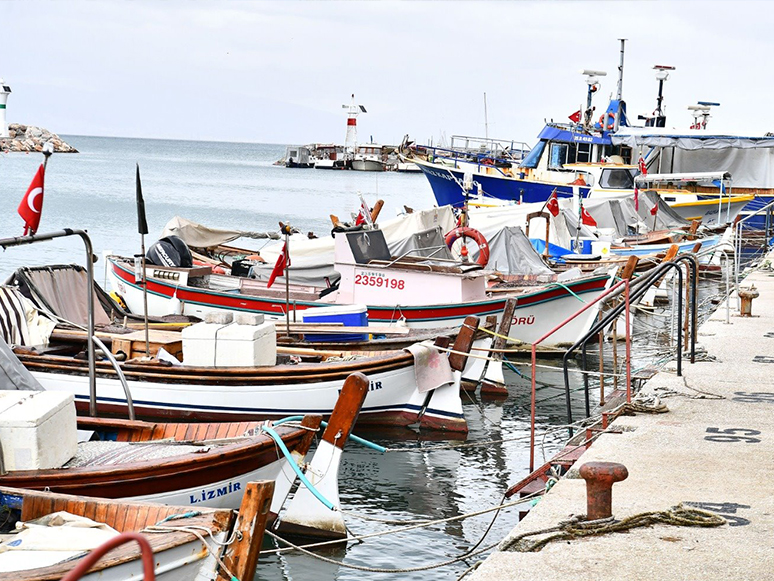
x=611 y=124
x=483 y=247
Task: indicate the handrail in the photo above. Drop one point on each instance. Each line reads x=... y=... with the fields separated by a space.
x=109 y=356
x=534 y=362
x=738 y=242
x=146 y=553
x=22 y=240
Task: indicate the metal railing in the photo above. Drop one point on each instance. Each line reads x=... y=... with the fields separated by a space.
x=91 y=336
x=738 y=239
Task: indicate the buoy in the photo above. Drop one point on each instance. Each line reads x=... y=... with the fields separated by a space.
x=465 y=232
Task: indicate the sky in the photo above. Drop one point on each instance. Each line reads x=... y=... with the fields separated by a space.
x=279 y=72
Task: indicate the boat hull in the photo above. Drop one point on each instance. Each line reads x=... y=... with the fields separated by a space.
x=189 y=395
x=446 y=183
x=368 y=165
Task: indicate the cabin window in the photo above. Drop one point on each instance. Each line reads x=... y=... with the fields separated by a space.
x=619 y=179
x=533 y=157
x=557 y=155
x=583 y=153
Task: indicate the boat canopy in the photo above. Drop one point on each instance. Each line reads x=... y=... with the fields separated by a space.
x=663 y=137
x=568 y=134
x=697 y=177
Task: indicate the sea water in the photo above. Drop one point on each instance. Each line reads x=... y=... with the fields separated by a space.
x=235 y=185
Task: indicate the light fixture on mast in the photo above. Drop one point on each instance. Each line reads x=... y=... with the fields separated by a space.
x=592 y=81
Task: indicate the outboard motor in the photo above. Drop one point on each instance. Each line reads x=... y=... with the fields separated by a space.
x=170 y=251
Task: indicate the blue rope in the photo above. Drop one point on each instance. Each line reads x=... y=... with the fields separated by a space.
x=353 y=437
x=278 y=440
x=513 y=368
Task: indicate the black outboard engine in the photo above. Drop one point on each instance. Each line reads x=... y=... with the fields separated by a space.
x=170 y=251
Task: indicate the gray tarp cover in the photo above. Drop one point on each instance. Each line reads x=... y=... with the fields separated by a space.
x=511 y=252
x=13 y=375
x=621 y=215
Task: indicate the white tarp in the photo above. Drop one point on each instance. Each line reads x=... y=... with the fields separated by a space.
x=750 y=159
x=199 y=236
x=312 y=260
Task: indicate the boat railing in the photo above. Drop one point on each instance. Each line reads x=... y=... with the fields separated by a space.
x=121 y=377
x=471 y=143
x=740 y=227
x=6 y=243
x=435 y=250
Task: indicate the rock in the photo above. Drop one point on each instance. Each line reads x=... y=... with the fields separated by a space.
x=32 y=138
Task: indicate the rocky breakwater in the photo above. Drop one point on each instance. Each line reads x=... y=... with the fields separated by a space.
x=26 y=138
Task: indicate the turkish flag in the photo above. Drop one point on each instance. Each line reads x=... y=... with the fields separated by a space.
x=643 y=168
x=32 y=203
x=654 y=210
x=636 y=199
x=553 y=205
x=279 y=267
x=586 y=218
x=575 y=117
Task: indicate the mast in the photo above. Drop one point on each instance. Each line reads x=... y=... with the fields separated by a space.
x=486 y=121
x=619 y=92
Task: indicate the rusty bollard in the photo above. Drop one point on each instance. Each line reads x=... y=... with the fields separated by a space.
x=600 y=477
x=747 y=295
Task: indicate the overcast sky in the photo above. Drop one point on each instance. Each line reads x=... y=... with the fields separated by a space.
x=278 y=72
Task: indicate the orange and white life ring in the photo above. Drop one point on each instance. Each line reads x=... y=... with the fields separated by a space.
x=465 y=232
x=610 y=124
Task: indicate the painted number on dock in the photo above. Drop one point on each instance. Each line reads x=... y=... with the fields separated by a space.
x=725 y=509
x=733 y=435
x=754 y=397
x=763 y=359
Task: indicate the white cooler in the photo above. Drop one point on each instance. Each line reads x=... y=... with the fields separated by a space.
x=37 y=429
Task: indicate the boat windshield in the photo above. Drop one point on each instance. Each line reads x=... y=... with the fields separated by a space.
x=618 y=179
x=533 y=157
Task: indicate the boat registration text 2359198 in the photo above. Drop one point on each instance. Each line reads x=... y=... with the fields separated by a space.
x=378 y=279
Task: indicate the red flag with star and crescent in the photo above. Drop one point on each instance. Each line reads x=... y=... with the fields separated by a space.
x=282 y=261
x=32 y=203
x=586 y=218
x=643 y=171
x=553 y=205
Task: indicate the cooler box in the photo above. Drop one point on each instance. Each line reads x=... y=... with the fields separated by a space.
x=37 y=429
x=349 y=315
x=247 y=345
x=199 y=344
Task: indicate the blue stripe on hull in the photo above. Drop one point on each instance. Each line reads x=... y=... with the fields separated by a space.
x=448 y=191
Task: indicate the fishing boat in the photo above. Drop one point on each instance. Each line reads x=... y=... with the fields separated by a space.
x=46 y=536
x=420 y=292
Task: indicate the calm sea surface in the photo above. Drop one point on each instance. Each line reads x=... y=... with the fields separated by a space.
x=235 y=185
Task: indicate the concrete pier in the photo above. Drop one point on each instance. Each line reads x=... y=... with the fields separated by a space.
x=714 y=449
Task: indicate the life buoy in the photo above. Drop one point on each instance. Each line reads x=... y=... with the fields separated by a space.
x=465 y=232
x=611 y=123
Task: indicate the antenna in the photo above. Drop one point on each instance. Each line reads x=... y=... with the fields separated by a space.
x=619 y=92
x=701 y=113
x=659 y=119
x=593 y=82
x=486 y=120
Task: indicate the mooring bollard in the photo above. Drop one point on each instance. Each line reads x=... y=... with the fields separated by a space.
x=747 y=295
x=600 y=477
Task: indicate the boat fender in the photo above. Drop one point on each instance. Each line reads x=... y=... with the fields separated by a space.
x=465 y=232
x=119 y=299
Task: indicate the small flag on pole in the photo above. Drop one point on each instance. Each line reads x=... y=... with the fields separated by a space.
x=142 y=224
x=364 y=214
x=586 y=218
x=575 y=117
x=32 y=203
x=553 y=204
x=654 y=210
x=643 y=168
x=283 y=261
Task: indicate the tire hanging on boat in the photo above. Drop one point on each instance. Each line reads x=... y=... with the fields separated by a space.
x=466 y=232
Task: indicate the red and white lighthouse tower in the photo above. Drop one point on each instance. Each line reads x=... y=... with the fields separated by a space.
x=350 y=142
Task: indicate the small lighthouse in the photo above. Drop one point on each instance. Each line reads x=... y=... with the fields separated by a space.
x=352 y=112
x=5 y=90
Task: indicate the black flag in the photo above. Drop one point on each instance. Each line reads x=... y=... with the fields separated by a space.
x=142 y=224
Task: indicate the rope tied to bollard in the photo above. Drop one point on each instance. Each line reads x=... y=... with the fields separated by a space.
x=577 y=528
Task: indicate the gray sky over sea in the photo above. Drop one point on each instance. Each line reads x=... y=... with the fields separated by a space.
x=278 y=72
